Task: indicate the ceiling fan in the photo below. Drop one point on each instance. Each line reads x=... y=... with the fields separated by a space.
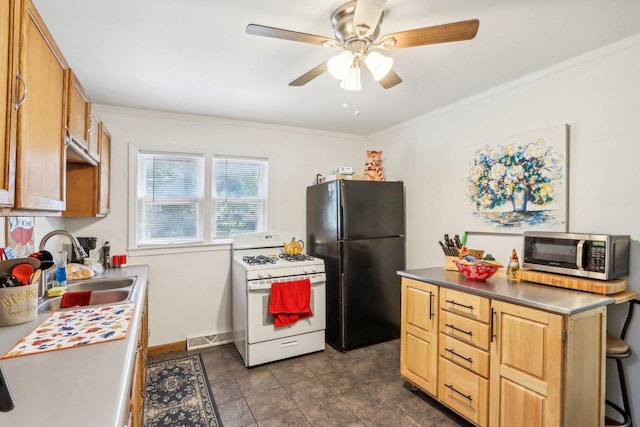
x=356 y=26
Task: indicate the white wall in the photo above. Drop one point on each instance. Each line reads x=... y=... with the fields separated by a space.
x=190 y=291
x=598 y=95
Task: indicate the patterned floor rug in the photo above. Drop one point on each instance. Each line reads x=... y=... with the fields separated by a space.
x=178 y=394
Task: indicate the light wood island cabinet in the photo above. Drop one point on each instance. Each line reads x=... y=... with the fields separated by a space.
x=419 y=333
x=508 y=353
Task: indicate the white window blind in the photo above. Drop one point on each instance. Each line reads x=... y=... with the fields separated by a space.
x=170 y=198
x=239 y=196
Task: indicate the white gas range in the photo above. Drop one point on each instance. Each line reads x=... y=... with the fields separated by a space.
x=259 y=261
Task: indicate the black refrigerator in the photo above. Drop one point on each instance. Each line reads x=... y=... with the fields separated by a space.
x=358 y=228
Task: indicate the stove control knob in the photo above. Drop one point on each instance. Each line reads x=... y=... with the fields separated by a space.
x=270 y=274
x=261 y=274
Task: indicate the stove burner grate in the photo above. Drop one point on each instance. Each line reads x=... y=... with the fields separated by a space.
x=295 y=258
x=258 y=260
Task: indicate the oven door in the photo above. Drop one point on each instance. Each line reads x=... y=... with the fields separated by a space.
x=260 y=325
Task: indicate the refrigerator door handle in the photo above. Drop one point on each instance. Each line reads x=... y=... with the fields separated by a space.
x=343 y=322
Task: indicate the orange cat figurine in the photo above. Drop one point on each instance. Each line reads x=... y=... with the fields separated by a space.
x=373 y=167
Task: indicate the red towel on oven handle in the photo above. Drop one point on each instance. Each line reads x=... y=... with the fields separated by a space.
x=290 y=301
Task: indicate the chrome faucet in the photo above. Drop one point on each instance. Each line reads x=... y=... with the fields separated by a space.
x=77 y=247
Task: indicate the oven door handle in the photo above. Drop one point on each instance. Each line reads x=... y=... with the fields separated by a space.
x=262 y=285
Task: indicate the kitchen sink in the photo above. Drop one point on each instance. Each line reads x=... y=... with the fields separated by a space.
x=104 y=291
x=100 y=284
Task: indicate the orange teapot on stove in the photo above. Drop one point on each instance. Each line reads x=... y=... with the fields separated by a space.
x=294 y=247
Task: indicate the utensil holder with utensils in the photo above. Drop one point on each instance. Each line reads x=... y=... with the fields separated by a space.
x=18 y=291
x=18 y=304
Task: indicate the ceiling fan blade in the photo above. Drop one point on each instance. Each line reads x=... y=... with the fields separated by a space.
x=452 y=32
x=309 y=75
x=367 y=16
x=278 y=33
x=388 y=81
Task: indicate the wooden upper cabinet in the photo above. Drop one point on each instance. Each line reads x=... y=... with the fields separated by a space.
x=94 y=137
x=41 y=154
x=88 y=185
x=9 y=38
x=78 y=112
x=105 y=170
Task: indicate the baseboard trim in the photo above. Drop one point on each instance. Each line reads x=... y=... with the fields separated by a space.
x=167 y=348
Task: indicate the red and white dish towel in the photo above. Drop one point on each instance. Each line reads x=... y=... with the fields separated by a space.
x=290 y=301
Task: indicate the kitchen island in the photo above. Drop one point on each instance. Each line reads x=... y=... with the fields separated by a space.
x=81 y=386
x=503 y=352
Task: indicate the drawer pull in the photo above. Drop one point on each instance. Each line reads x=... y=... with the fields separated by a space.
x=452 y=388
x=470 y=307
x=459 y=330
x=468 y=359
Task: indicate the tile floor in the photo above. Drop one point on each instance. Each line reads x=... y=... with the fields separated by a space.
x=358 y=388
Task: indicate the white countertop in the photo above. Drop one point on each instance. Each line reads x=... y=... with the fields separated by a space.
x=544 y=297
x=82 y=386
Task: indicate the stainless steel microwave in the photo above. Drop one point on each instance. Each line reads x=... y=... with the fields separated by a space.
x=595 y=256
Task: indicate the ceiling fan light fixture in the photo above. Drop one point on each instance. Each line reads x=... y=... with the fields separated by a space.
x=352 y=81
x=340 y=65
x=378 y=64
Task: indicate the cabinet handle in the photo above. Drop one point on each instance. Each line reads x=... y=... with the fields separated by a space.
x=452 y=388
x=468 y=359
x=24 y=93
x=138 y=348
x=470 y=307
x=431 y=305
x=459 y=330
x=493 y=335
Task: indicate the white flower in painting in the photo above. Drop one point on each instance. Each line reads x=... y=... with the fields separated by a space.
x=476 y=173
x=554 y=161
x=497 y=153
x=535 y=149
x=512 y=149
x=497 y=171
x=514 y=174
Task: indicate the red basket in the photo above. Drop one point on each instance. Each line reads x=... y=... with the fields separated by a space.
x=476 y=271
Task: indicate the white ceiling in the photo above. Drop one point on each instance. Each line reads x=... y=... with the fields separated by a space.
x=193 y=56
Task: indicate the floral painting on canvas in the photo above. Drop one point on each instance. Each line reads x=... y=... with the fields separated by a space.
x=519 y=183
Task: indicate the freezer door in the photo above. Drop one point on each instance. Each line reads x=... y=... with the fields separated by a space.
x=371 y=290
x=371 y=209
x=322 y=219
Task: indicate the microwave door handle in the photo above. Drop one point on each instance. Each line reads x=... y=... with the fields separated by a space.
x=579 y=254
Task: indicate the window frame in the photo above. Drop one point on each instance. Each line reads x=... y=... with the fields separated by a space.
x=262 y=199
x=208 y=238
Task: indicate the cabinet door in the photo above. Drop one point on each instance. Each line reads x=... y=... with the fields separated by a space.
x=94 y=137
x=78 y=109
x=526 y=367
x=105 y=170
x=9 y=37
x=40 y=178
x=419 y=334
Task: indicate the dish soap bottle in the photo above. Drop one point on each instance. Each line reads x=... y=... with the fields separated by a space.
x=514 y=265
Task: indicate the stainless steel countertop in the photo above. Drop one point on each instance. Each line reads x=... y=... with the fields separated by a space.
x=76 y=387
x=499 y=287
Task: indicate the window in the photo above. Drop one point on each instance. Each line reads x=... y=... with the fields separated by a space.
x=239 y=196
x=170 y=203
x=170 y=198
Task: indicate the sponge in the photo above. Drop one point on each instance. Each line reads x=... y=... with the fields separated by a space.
x=56 y=291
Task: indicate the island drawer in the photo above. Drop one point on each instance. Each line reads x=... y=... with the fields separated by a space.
x=464 y=392
x=464 y=329
x=468 y=305
x=462 y=354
